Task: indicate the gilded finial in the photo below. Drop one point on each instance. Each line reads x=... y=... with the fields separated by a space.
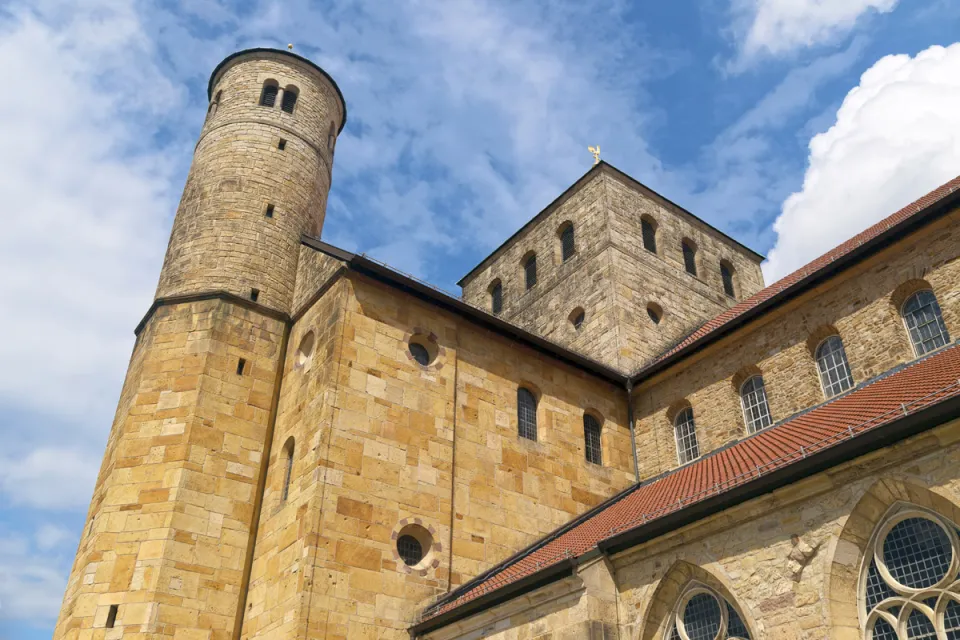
x=290 y=47
x=596 y=153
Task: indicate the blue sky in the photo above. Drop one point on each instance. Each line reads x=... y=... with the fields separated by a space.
x=790 y=124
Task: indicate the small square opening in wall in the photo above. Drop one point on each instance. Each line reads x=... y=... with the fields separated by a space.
x=241 y=365
x=282 y=144
x=254 y=294
x=112 y=616
x=269 y=211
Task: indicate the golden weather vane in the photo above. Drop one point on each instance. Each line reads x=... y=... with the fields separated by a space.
x=596 y=153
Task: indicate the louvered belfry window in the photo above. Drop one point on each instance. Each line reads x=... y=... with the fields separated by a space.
x=567 y=246
x=289 y=100
x=526 y=414
x=268 y=97
x=591 y=439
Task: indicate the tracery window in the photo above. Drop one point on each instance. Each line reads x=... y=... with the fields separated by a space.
x=567 y=243
x=704 y=614
x=756 y=411
x=909 y=585
x=833 y=366
x=921 y=313
x=526 y=414
x=686 y=432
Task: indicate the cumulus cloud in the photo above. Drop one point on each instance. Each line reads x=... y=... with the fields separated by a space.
x=780 y=27
x=49 y=478
x=896 y=137
x=31 y=582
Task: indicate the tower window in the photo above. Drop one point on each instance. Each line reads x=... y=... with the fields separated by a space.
x=269 y=211
x=496 y=298
x=241 y=365
x=726 y=275
x=591 y=439
x=112 y=616
x=530 y=271
x=526 y=414
x=254 y=294
x=655 y=312
x=649 y=233
x=268 y=96
x=288 y=451
x=282 y=145
x=331 y=137
x=567 y=243
x=689 y=257
x=289 y=100
x=577 y=317
x=686 y=434
x=214 y=105
x=756 y=411
x=921 y=313
x=833 y=367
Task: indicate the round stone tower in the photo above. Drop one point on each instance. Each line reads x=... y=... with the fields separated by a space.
x=259 y=179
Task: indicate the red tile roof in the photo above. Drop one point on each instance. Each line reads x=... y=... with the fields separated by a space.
x=821 y=263
x=904 y=391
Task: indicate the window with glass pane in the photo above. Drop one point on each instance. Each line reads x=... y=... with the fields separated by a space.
x=526 y=414
x=591 y=439
x=753 y=398
x=834 y=369
x=706 y=615
x=649 y=233
x=726 y=274
x=921 y=313
x=496 y=298
x=689 y=258
x=567 y=246
x=686 y=431
x=530 y=271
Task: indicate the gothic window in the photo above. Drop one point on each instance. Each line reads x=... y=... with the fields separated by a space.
x=689 y=257
x=530 y=271
x=686 y=433
x=591 y=439
x=704 y=614
x=567 y=246
x=288 y=450
x=526 y=414
x=289 y=100
x=726 y=274
x=268 y=96
x=756 y=411
x=834 y=369
x=496 y=298
x=921 y=313
x=649 y=233
x=908 y=587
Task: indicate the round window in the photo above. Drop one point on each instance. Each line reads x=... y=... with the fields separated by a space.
x=414 y=546
x=420 y=353
x=305 y=350
x=917 y=553
x=702 y=617
x=423 y=349
x=410 y=550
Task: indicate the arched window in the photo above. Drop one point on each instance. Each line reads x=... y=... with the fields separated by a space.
x=592 y=447
x=689 y=257
x=686 y=433
x=214 y=105
x=726 y=274
x=753 y=399
x=834 y=369
x=288 y=449
x=289 y=100
x=530 y=271
x=496 y=298
x=567 y=245
x=704 y=614
x=331 y=137
x=921 y=313
x=526 y=414
x=268 y=96
x=649 y=233
x=908 y=582
x=577 y=316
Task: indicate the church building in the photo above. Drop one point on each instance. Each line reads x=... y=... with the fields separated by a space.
x=617 y=432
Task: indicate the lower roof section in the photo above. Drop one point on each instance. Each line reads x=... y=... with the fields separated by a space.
x=915 y=396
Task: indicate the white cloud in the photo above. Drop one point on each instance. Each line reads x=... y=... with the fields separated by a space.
x=780 y=27
x=31 y=582
x=51 y=536
x=49 y=478
x=896 y=137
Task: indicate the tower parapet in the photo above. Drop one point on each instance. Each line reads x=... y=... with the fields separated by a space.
x=259 y=179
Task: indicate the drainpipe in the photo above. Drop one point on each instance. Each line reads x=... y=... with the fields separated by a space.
x=633 y=430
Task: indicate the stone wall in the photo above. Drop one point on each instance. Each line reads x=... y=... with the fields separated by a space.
x=861 y=306
x=170 y=521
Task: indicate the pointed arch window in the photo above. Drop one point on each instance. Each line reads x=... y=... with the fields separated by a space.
x=921 y=313
x=833 y=367
x=268 y=95
x=526 y=414
x=530 y=271
x=704 y=614
x=567 y=243
x=288 y=451
x=689 y=257
x=593 y=449
x=685 y=430
x=753 y=399
x=908 y=583
x=649 y=232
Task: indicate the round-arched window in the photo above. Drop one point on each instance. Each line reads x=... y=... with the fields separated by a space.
x=410 y=550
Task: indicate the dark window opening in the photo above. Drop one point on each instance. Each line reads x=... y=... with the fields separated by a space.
x=241 y=365
x=649 y=236
x=420 y=353
x=530 y=271
x=526 y=414
x=578 y=320
x=655 y=313
x=268 y=97
x=496 y=298
x=591 y=439
x=282 y=144
x=254 y=294
x=289 y=100
x=269 y=212
x=331 y=137
x=288 y=450
x=567 y=245
x=410 y=550
x=726 y=274
x=689 y=258
x=112 y=616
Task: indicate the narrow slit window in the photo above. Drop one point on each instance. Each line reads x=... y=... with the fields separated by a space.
x=530 y=271
x=689 y=257
x=254 y=294
x=331 y=137
x=593 y=449
x=241 y=365
x=726 y=274
x=112 y=616
x=526 y=414
x=282 y=145
x=567 y=243
x=288 y=451
x=269 y=212
x=268 y=96
x=289 y=100
x=649 y=233
x=686 y=433
x=496 y=298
